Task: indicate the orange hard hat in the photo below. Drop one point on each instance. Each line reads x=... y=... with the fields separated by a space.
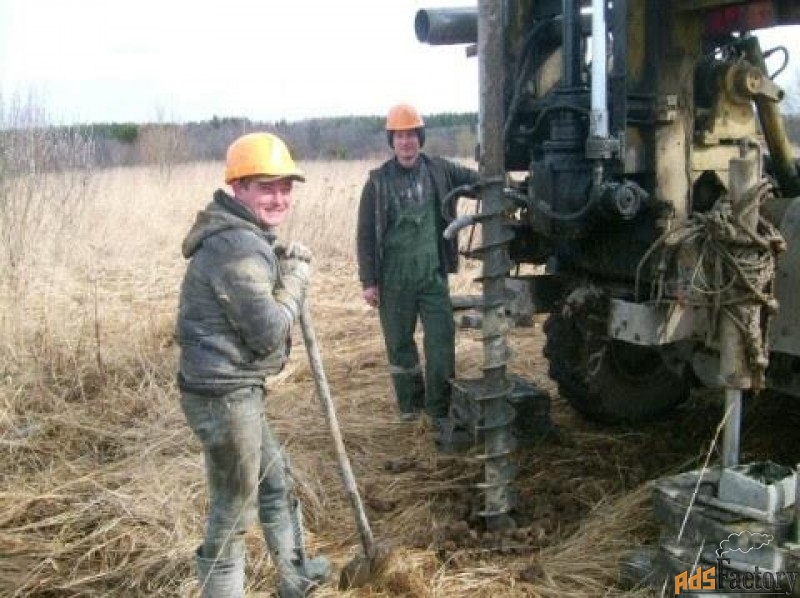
x=260 y=154
x=403 y=117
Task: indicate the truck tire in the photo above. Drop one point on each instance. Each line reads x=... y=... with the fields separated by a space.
x=610 y=381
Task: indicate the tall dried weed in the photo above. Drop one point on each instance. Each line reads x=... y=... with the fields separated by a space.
x=101 y=483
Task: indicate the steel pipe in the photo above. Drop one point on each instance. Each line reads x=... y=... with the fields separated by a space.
x=447 y=26
x=599 y=116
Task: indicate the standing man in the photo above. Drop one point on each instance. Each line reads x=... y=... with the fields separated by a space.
x=403 y=263
x=240 y=295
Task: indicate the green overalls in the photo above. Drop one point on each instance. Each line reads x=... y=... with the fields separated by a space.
x=412 y=286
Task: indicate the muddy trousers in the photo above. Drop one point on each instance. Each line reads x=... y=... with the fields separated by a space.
x=247 y=473
x=400 y=309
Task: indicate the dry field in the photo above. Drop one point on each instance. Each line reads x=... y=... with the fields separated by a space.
x=101 y=483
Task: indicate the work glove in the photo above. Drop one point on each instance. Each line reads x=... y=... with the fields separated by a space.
x=294 y=261
x=293 y=250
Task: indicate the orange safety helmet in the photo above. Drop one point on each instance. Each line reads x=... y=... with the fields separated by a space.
x=404 y=117
x=260 y=154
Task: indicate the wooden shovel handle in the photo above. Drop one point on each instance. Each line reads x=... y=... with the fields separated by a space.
x=323 y=390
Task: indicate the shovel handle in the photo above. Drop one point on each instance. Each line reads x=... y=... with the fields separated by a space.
x=324 y=392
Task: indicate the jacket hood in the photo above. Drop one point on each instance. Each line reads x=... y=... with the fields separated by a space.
x=223 y=213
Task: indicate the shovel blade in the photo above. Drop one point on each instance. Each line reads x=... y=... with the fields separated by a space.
x=363 y=569
x=356 y=573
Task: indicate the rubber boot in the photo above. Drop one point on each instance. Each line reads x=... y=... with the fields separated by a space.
x=317 y=569
x=220 y=578
x=305 y=578
x=299 y=575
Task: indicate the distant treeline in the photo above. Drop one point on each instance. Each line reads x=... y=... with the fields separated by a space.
x=343 y=138
x=28 y=146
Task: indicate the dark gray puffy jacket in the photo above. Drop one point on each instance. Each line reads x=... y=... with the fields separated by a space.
x=231 y=331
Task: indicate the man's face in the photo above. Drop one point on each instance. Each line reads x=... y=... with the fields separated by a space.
x=406 y=147
x=269 y=200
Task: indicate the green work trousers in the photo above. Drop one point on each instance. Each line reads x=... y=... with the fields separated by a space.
x=401 y=306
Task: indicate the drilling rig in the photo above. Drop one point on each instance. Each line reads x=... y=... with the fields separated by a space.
x=635 y=152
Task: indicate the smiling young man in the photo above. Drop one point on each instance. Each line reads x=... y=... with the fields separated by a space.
x=403 y=263
x=269 y=200
x=240 y=295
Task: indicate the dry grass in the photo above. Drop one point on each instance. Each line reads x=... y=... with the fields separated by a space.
x=101 y=485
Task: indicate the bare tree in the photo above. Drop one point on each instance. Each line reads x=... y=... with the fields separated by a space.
x=44 y=174
x=163 y=143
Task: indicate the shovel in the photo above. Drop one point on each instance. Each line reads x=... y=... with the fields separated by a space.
x=362 y=568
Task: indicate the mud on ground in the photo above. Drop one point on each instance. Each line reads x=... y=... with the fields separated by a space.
x=583 y=491
x=102 y=492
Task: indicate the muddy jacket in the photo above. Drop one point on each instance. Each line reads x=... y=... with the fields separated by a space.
x=373 y=214
x=231 y=331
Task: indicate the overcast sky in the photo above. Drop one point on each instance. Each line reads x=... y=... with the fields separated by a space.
x=109 y=60
x=181 y=60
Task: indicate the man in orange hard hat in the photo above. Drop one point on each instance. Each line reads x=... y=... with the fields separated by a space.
x=240 y=295
x=404 y=261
